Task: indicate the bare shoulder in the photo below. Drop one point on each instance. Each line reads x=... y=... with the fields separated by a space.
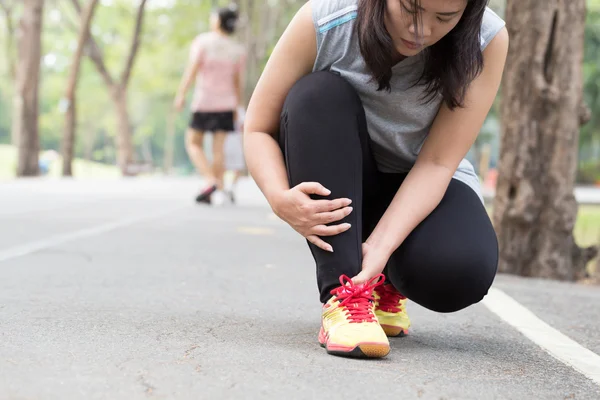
x=498 y=46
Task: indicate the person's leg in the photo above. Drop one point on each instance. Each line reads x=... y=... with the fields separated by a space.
x=218 y=166
x=450 y=260
x=324 y=139
x=194 y=145
x=237 y=174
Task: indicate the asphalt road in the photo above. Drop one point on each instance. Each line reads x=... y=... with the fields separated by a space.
x=128 y=290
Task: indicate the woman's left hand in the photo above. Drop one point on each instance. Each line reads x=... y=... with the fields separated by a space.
x=374 y=261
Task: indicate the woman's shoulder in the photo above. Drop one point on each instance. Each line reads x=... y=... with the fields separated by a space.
x=237 y=47
x=492 y=24
x=328 y=13
x=201 y=40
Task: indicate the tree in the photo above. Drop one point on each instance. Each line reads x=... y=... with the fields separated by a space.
x=542 y=110
x=71 y=101
x=26 y=108
x=118 y=88
x=8 y=8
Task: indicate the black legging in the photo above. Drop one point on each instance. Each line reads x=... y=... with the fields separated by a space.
x=446 y=264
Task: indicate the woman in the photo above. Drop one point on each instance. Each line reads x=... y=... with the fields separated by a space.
x=217 y=64
x=357 y=133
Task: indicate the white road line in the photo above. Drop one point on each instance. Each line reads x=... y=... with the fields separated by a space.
x=22 y=250
x=552 y=341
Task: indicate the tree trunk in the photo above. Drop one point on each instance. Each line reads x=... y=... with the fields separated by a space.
x=25 y=122
x=124 y=131
x=118 y=90
x=68 y=144
x=542 y=110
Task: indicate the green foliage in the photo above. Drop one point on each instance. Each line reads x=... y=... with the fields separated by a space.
x=590 y=133
x=589 y=172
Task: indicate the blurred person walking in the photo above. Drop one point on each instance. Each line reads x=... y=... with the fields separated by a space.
x=216 y=64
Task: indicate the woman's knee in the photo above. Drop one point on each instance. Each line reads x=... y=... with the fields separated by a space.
x=451 y=284
x=322 y=92
x=194 y=140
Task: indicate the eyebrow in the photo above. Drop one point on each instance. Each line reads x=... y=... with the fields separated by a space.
x=446 y=14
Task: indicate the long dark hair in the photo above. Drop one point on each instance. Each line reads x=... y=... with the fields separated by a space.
x=451 y=64
x=228 y=17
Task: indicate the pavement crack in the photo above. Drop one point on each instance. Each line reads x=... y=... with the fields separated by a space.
x=189 y=351
x=149 y=389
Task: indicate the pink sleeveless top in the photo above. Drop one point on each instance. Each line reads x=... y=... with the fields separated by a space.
x=221 y=61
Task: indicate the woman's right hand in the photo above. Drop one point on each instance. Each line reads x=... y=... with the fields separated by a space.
x=178 y=103
x=310 y=217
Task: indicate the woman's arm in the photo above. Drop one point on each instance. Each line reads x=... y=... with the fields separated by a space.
x=191 y=70
x=452 y=135
x=293 y=57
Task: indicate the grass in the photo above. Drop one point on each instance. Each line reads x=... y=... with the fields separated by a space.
x=81 y=168
x=587 y=228
x=587 y=232
x=8 y=161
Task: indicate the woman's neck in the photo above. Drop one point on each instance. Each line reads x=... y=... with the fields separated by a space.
x=397 y=58
x=220 y=32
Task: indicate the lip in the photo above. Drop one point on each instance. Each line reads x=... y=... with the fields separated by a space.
x=411 y=45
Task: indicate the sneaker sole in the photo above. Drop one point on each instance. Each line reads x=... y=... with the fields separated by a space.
x=394 y=331
x=362 y=350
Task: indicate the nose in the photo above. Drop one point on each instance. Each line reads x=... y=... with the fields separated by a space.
x=425 y=27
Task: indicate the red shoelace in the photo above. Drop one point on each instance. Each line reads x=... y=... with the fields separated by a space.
x=357 y=299
x=389 y=299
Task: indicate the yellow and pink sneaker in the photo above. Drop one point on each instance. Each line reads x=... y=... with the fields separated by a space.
x=349 y=325
x=390 y=309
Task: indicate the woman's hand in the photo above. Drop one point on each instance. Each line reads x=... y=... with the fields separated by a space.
x=310 y=217
x=374 y=261
x=178 y=103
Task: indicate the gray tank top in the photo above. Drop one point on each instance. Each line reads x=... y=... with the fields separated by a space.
x=398 y=121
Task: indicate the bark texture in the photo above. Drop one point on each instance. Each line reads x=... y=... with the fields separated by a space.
x=542 y=110
x=25 y=100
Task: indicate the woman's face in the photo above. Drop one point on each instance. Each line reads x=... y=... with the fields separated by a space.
x=436 y=19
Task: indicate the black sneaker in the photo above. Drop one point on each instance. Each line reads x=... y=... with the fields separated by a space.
x=204 y=196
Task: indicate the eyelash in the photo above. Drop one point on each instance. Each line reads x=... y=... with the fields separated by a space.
x=443 y=21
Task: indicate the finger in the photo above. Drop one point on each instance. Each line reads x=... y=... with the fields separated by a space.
x=314 y=188
x=366 y=275
x=362 y=277
x=330 y=205
x=333 y=216
x=320 y=243
x=322 y=230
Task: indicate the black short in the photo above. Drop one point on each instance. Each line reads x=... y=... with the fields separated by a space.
x=212 y=121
